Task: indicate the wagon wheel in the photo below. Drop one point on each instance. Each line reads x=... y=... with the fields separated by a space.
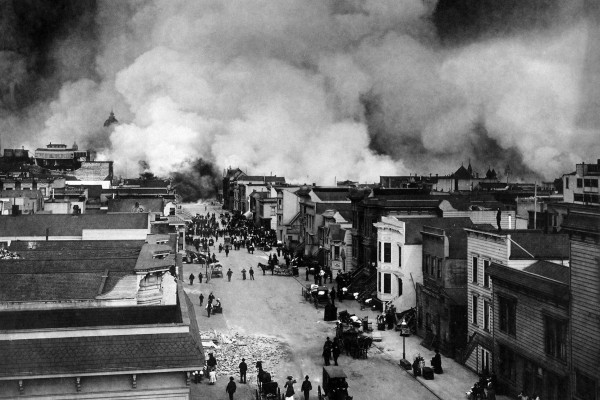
x=319 y=392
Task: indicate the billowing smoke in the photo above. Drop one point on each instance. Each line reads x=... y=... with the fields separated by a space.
x=313 y=90
x=199 y=180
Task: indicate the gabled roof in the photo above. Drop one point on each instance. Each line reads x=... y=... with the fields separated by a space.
x=69 y=225
x=320 y=208
x=549 y=270
x=461 y=173
x=540 y=245
x=331 y=194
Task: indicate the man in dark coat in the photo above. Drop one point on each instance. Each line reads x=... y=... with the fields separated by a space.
x=209 y=309
x=244 y=274
x=251 y=274
x=229 y=273
x=192 y=279
x=243 y=368
x=200 y=277
x=201 y=299
x=436 y=362
x=327 y=351
x=231 y=388
x=332 y=295
x=335 y=351
x=306 y=387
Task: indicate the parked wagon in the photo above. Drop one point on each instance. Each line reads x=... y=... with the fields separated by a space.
x=283 y=270
x=267 y=388
x=320 y=296
x=216 y=270
x=335 y=386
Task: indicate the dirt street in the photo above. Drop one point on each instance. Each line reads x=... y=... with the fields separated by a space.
x=272 y=307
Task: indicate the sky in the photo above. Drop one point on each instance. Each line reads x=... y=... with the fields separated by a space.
x=313 y=90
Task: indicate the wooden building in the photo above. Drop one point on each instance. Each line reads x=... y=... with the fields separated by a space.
x=442 y=296
x=531 y=322
x=584 y=232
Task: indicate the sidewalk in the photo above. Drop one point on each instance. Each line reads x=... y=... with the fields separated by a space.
x=451 y=385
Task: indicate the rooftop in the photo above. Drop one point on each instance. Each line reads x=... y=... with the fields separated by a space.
x=539 y=279
x=68 y=225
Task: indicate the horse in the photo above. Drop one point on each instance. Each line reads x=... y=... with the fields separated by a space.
x=265 y=267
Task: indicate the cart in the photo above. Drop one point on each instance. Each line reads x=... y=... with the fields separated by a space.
x=335 y=386
x=216 y=270
x=283 y=270
x=267 y=388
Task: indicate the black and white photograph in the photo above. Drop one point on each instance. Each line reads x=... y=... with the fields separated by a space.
x=300 y=199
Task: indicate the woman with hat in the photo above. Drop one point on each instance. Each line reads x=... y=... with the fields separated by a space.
x=289 y=388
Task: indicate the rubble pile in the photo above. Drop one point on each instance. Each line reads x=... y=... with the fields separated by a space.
x=231 y=348
x=8 y=255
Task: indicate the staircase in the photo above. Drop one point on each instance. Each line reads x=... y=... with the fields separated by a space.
x=474 y=340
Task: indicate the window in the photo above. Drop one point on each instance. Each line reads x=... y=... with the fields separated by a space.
x=474 y=270
x=579 y=182
x=507 y=363
x=585 y=387
x=555 y=332
x=399 y=256
x=508 y=315
x=387 y=283
x=590 y=182
x=567 y=182
x=426 y=264
x=486 y=276
x=379 y=251
x=336 y=252
x=399 y=287
x=432 y=265
x=474 y=311
x=486 y=315
x=379 y=281
x=387 y=252
x=439 y=268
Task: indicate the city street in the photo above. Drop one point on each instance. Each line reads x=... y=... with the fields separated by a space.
x=273 y=306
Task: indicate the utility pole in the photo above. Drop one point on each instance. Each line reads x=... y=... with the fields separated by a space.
x=535 y=205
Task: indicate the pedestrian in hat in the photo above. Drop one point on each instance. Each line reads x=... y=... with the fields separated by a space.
x=192 y=279
x=306 y=387
x=231 y=387
x=201 y=298
x=244 y=274
x=289 y=388
x=243 y=368
x=251 y=274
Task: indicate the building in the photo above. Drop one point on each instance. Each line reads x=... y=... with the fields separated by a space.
x=16 y=202
x=399 y=257
x=442 y=295
x=515 y=249
x=531 y=325
x=60 y=157
x=336 y=238
x=288 y=213
x=229 y=177
x=581 y=186
x=119 y=327
x=313 y=201
x=463 y=179
x=584 y=235
x=117 y=226
x=481 y=209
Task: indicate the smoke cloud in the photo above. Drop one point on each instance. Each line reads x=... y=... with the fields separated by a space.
x=309 y=90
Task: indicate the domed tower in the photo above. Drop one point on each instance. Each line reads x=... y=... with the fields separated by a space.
x=111 y=119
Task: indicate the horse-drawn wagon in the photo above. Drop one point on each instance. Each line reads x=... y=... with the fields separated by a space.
x=335 y=386
x=267 y=388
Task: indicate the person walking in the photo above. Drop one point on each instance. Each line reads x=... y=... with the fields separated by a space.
x=231 y=388
x=200 y=277
x=226 y=251
x=192 y=279
x=243 y=368
x=327 y=351
x=289 y=388
x=251 y=274
x=306 y=387
x=335 y=351
x=229 y=273
x=244 y=274
x=211 y=298
x=209 y=309
x=332 y=295
x=201 y=299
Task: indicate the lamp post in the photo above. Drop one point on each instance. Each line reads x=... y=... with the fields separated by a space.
x=404 y=331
